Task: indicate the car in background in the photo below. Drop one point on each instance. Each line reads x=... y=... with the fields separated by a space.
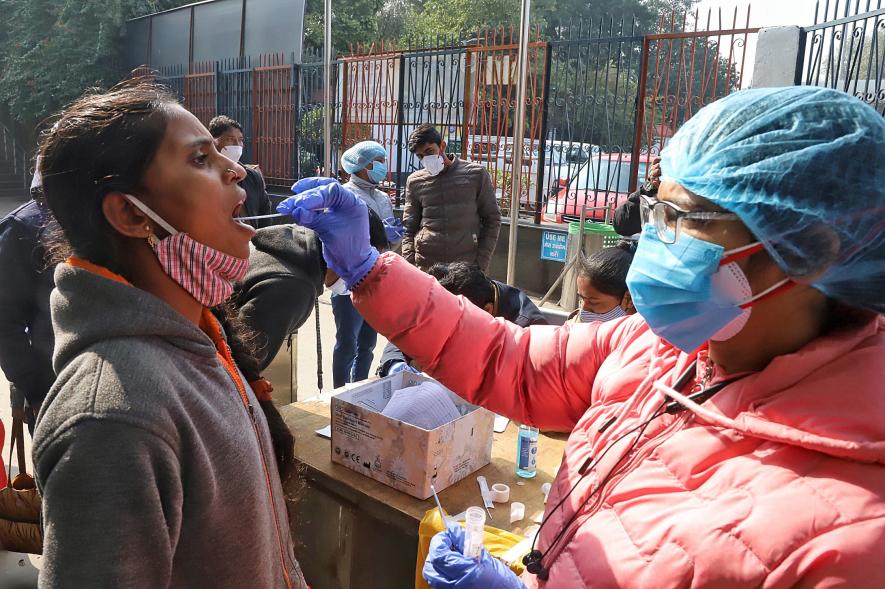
x=602 y=181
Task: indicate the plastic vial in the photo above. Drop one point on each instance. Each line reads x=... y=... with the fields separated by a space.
x=475 y=527
x=527 y=451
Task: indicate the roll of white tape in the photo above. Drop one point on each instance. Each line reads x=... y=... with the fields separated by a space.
x=500 y=493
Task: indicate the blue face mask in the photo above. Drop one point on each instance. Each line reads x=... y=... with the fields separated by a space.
x=681 y=293
x=377 y=172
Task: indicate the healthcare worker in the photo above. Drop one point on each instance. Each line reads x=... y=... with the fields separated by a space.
x=366 y=162
x=733 y=434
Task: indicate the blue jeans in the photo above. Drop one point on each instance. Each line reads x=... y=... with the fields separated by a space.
x=354 y=343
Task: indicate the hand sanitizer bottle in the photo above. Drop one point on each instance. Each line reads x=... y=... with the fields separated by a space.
x=527 y=451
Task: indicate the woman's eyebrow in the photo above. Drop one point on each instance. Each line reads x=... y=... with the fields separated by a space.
x=199 y=142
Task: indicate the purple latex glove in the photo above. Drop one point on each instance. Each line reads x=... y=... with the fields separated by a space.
x=340 y=220
x=446 y=566
x=394 y=229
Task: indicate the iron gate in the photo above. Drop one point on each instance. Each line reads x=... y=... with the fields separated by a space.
x=602 y=102
x=200 y=95
x=490 y=105
x=685 y=67
x=846 y=52
x=273 y=119
x=594 y=77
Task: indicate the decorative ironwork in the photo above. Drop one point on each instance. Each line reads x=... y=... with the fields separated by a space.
x=490 y=104
x=602 y=100
x=591 y=102
x=686 y=65
x=845 y=50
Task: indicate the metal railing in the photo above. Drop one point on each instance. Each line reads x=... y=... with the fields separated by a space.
x=601 y=101
x=12 y=153
x=845 y=50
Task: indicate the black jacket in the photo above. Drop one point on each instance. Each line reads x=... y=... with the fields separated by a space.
x=626 y=219
x=26 y=338
x=257 y=200
x=277 y=295
x=513 y=305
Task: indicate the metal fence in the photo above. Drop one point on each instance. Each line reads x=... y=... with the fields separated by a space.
x=845 y=50
x=13 y=154
x=602 y=100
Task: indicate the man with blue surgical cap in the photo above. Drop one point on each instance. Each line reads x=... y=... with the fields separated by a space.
x=732 y=432
x=366 y=162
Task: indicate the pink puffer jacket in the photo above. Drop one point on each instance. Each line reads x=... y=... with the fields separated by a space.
x=777 y=481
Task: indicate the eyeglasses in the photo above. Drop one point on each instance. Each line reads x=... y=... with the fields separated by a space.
x=667 y=217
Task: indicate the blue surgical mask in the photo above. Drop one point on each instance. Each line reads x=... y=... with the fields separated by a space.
x=377 y=172
x=686 y=291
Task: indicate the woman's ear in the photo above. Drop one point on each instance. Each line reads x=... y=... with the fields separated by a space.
x=627 y=303
x=821 y=251
x=124 y=217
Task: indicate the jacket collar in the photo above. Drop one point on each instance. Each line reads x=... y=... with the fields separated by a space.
x=92 y=304
x=825 y=397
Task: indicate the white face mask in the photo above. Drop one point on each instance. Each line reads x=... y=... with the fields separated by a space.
x=732 y=284
x=433 y=164
x=232 y=152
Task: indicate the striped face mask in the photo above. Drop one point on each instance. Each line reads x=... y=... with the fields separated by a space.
x=206 y=273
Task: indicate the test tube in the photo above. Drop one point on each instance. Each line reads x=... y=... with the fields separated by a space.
x=475 y=527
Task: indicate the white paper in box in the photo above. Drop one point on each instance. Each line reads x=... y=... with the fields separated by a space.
x=402 y=455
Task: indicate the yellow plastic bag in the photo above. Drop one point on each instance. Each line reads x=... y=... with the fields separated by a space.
x=496 y=541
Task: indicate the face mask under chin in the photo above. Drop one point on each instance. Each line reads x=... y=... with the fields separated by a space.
x=207 y=274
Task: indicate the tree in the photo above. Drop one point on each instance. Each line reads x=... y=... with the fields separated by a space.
x=52 y=50
x=454 y=17
x=353 y=21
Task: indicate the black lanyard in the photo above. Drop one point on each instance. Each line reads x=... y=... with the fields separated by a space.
x=533 y=560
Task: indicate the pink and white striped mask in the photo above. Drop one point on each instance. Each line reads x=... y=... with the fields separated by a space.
x=206 y=273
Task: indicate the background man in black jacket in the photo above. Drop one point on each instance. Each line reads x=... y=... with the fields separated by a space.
x=229 y=140
x=626 y=218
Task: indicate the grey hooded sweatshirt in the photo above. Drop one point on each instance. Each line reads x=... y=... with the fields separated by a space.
x=154 y=471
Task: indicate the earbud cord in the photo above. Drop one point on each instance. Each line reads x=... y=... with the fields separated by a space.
x=680 y=384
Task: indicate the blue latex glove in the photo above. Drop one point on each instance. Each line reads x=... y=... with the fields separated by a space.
x=394 y=229
x=340 y=220
x=401 y=367
x=446 y=566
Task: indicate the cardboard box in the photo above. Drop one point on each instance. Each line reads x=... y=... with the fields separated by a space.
x=402 y=455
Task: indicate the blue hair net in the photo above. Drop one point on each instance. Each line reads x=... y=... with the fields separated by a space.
x=360 y=155
x=804 y=169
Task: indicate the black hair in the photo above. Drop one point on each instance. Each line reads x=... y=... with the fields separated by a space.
x=422 y=135
x=102 y=142
x=462 y=278
x=241 y=341
x=221 y=124
x=607 y=269
x=377 y=234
